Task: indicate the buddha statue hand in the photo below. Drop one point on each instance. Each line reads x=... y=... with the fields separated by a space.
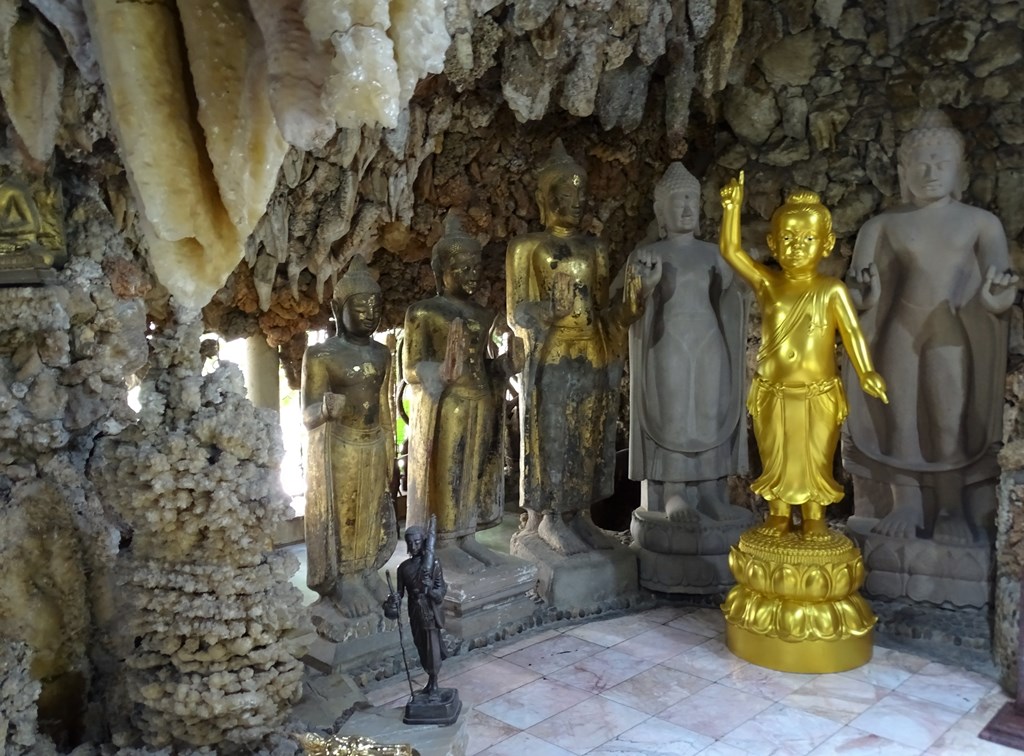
x=561 y=295
x=648 y=264
x=333 y=405
x=874 y=385
x=865 y=287
x=455 y=353
x=999 y=290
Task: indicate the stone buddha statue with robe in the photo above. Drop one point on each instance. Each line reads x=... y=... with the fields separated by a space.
x=457 y=439
x=686 y=386
x=932 y=279
x=457 y=450
x=575 y=335
x=350 y=521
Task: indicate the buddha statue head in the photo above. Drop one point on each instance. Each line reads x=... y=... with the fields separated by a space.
x=801 y=233
x=677 y=202
x=561 y=186
x=931 y=160
x=455 y=260
x=357 y=300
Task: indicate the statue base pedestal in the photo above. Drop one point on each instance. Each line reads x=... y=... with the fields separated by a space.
x=806 y=656
x=579 y=581
x=358 y=646
x=442 y=709
x=1006 y=727
x=795 y=607
x=922 y=570
x=485 y=597
x=386 y=726
x=686 y=556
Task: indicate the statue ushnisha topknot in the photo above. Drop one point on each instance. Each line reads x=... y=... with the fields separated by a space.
x=559 y=165
x=357 y=280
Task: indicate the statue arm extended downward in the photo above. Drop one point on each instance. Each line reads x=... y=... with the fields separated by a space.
x=314 y=387
x=730 y=242
x=855 y=343
x=422 y=365
x=526 y=310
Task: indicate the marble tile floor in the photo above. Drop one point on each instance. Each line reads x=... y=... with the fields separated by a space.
x=661 y=683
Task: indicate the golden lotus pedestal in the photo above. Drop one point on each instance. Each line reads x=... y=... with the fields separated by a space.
x=795 y=607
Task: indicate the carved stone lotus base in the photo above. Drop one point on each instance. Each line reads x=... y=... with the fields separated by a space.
x=482 y=597
x=922 y=570
x=795 y=607
x=689 y=556
x=579 y=581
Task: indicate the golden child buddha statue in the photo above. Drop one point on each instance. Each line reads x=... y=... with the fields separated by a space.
x=796 y=606
x=350 y=522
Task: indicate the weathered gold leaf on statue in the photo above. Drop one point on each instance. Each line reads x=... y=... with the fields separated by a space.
x=31 y=230
x=348 y=745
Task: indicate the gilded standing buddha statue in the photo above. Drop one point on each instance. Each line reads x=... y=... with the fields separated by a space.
x=796 y=606
x=558 y=303
x=350 y=521
x=456 y=454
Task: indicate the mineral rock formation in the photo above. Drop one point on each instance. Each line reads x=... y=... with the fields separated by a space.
x=31 y=81
x=17 y=699
x=205 y=641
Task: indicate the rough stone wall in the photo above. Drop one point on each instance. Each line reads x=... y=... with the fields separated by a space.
x=67 y=355
x=1010 y=533
x=18 y=694
x=65 y=351
x=798 y=93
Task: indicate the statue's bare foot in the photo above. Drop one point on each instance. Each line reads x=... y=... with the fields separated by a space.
x=377 y=587
x=953 y=530
x=591 y=534
x=680 y=509
x=557 y=534
x=478 y=551
x=815 y=529
x=901 y=522
x=353 y=599
x=776 y=525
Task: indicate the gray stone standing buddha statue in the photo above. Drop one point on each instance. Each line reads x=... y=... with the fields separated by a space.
x=933 y=281
x=687 y=425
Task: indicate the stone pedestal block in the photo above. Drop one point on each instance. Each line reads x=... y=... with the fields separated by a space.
x=485 y=596
x=922 y=570
x=359 y=646
x=581 y=581
x=686 y=556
